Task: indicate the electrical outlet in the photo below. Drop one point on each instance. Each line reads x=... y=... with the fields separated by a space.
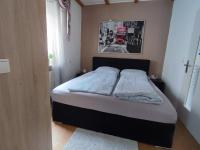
x=4 y=66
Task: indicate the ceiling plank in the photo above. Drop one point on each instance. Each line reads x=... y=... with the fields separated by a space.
x=107 y=2
x=80 y=3
x=136 y=1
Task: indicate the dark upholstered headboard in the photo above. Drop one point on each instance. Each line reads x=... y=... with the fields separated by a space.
x=121 y=63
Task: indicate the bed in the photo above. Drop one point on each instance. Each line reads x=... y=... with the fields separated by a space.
x=147 y=123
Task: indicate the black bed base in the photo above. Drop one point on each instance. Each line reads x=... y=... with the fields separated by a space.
x=154 y=133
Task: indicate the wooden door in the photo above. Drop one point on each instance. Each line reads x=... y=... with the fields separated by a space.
x=25 y=118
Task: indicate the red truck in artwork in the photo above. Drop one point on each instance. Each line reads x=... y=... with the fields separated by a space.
x=120 y=35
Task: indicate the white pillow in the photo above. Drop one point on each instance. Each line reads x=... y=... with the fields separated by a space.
x=107 y=68
x=133 y=72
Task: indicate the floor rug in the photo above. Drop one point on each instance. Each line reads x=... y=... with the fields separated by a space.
x=89 y=140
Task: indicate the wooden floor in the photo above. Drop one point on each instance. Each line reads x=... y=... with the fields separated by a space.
x=182 y=140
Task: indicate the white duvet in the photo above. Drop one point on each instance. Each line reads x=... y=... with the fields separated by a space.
x=101 y=81
x=133 y=85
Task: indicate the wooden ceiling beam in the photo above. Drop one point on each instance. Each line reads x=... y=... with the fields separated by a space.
x=107 y=2
x=136 y=1
x=80 y=3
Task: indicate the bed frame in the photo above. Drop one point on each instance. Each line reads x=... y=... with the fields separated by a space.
x=150 y=132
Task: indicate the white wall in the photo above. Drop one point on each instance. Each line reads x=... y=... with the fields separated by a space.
x=182 y=39
x=72 y=48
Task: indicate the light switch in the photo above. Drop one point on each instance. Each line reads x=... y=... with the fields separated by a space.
x=4 y=66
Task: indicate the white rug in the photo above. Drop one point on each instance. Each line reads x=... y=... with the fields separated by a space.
x=90 y=140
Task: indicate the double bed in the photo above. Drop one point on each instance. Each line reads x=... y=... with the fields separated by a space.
x=143 y=122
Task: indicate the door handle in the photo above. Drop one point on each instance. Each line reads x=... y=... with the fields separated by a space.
x=187 y=65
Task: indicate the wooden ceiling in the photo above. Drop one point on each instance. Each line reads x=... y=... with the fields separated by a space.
x=106 y=2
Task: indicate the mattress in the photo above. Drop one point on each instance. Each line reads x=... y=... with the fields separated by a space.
x=163 y=113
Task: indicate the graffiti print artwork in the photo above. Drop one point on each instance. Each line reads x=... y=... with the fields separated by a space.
x=121 y=37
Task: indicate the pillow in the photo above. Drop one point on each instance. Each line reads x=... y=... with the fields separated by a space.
x=133 y=72
x=106 y=69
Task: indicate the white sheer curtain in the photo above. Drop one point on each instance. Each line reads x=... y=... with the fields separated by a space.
x=55 y=39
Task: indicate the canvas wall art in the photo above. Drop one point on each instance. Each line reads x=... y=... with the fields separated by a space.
x=121 y=37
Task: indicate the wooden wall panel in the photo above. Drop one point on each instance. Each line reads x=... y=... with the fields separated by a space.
x=24 y=101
